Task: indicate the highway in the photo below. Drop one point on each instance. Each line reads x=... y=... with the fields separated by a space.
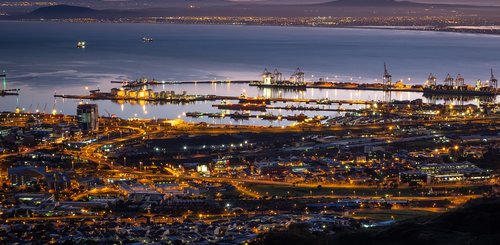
x=89 y=153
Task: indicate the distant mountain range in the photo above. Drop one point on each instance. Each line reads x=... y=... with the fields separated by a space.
x=340 y=8
x=63 y=11
x=68 y=11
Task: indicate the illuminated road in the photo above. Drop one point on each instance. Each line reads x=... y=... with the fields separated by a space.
x=89 y=153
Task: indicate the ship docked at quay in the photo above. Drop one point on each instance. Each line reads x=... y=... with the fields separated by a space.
x=457 y=86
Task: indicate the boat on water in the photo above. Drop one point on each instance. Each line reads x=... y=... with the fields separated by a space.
x=242 y=107
x=320 y=118
x=269 y=116
x=81 y=44
x=195 y=114
x=457 y=86
x=216 y=115
x=9 y=92
x=299 y=118
x=147 y=39
x=255 y=100
x=237 y=115
x=324 y=102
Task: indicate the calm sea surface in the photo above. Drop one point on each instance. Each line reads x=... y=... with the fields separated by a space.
x=41 y=59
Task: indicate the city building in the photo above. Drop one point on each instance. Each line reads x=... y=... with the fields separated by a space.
x=88 y=117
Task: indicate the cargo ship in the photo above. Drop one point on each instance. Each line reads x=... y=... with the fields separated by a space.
x=81 y=44
x=238 y=115
x=457 y=86
x=195 y=114
x=241 y=107
x=9 y=92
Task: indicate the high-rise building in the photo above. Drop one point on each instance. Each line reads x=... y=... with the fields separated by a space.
x=88 y=117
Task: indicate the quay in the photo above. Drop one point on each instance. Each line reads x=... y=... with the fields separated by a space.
x=147 y=82
x=451 y=85
x=275 y=80
x=170 y=96
x=318 y=85
x=372 y=87
x=179 y=99
x=246 y=116
x=304 y=108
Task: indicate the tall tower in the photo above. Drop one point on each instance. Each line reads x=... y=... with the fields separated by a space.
x=387 y=80
x=88 y=117
x=493 y=80
x=4 y=77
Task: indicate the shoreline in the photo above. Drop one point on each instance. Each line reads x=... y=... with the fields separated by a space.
x=462 y=29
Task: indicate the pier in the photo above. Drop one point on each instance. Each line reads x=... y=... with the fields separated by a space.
x=145 y=82
x=194 y=98
x=246 y=116
x=319 y=85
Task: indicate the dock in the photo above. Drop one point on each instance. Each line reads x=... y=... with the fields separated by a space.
x=195 y=98
x=416 y=89
x=246 y=116
x=340 y=86
x=140 y=83
x=304 y=108
x=186 y=99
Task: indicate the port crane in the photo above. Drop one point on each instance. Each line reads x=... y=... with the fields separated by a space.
x=387 y=83
x=493 y=80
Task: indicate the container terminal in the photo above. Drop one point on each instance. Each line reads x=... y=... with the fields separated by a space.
x=297 y=81
x=457 y=86
x=172 y=97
